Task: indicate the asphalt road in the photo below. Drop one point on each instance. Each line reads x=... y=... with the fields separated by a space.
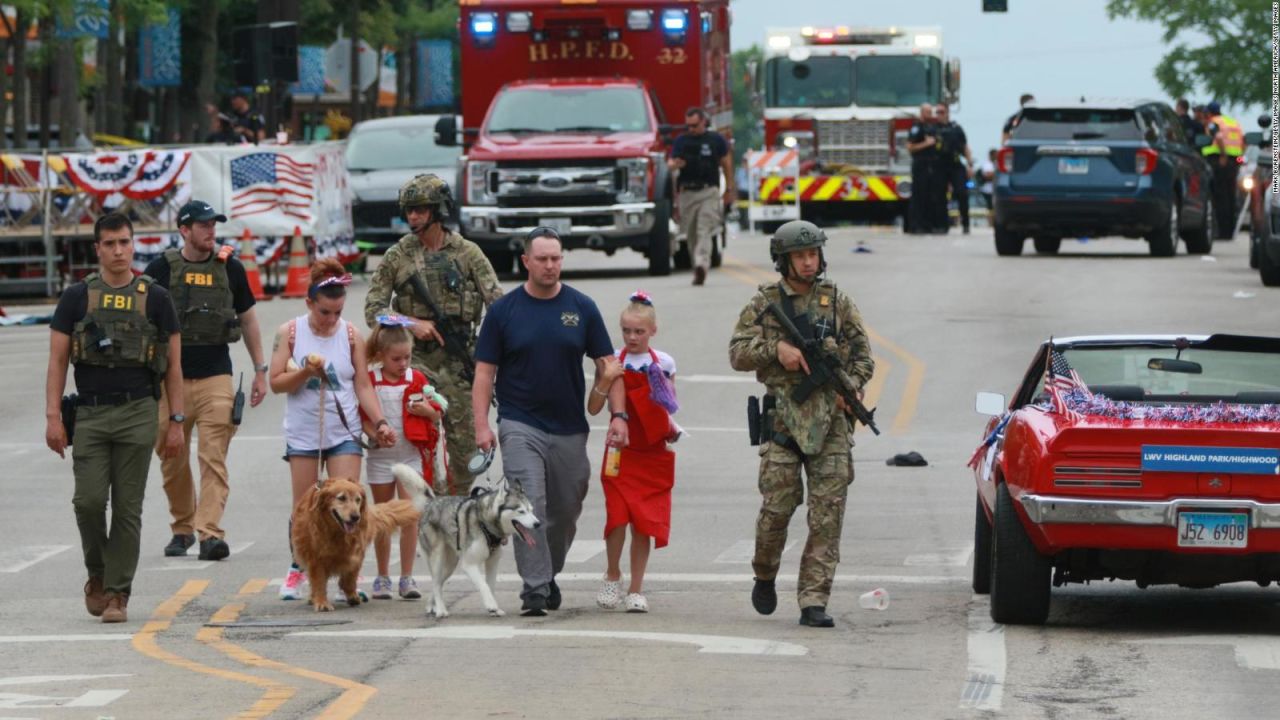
x=948 y=318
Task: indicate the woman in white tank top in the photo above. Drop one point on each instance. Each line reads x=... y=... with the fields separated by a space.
x=321 y=347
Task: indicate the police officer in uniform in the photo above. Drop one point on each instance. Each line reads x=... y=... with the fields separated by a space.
x=459 y=281
x=815 y=435
x=956 y=163
x=215 y=306
x=121 y=333
x=1223 y=155
x=700 y=156
x=922 y=143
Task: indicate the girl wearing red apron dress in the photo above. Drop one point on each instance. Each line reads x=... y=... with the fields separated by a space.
x=637 y=479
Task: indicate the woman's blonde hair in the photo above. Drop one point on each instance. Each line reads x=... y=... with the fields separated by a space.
x=385 y=337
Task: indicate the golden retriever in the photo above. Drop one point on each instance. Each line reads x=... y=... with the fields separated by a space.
x=332 y=527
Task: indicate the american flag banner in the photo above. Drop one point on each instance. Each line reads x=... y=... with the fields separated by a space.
x=265 y=182
x=1059 y=381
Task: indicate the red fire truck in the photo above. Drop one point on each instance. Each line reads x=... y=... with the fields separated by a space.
x=566 y=108
x=844 y=98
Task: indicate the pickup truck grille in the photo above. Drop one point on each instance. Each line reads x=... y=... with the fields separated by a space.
x=864 y=143
x=557 y=187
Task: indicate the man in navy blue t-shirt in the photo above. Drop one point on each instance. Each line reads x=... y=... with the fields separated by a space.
x=532 y=341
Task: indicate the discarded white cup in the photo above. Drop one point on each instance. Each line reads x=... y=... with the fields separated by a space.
x=877 y=599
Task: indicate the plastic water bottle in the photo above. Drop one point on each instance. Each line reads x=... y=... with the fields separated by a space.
x=877 y=599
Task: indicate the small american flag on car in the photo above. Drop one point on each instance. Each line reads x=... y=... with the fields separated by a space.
x=1061 y=380
x=267 y=181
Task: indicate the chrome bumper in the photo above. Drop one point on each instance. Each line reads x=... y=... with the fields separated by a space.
x=624 y=220
x=1045 y=509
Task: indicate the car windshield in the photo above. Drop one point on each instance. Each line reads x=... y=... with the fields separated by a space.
x=1130 y=373
x=614 y=109
x=815 y=82
x=1076 y=124
x=398 y=148
x=897 y=80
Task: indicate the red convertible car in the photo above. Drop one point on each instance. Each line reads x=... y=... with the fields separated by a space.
x=1147 y=458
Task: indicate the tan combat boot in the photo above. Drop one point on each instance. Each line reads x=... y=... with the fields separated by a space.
x=95 y=598
x=117 y=607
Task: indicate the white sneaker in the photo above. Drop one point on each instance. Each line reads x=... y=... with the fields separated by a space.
x=610 y=594
x=636 y=603
x=291 y=588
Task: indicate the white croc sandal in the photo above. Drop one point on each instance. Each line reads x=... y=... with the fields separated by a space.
x=636 y=603
x=610 y=595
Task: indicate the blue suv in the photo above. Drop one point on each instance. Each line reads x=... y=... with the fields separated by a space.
x=1094 y=168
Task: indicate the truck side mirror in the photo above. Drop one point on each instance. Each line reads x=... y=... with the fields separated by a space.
x=447 y=131
x=951 y=80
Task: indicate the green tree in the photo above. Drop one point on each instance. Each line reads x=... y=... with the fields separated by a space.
x=746 y=106
x=1220 y=47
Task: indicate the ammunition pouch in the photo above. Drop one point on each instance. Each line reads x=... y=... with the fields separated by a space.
x=760 y=419
x=753 y=420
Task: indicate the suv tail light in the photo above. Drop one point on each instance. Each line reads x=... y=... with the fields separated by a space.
x=1004 y=160
x=1144 y=161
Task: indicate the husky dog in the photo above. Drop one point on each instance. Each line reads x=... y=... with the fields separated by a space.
x=467 y=531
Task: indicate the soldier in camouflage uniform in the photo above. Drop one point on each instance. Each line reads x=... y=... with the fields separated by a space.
x=816 y=434
x=461 y=284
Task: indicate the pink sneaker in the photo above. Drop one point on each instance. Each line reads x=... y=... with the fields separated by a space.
x=291 y=588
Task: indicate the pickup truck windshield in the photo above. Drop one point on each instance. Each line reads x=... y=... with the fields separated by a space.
x=1224 y=375
x=1076 y=124
x=611 y=109
x=398 y=148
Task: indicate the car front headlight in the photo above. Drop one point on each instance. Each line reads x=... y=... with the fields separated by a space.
x=479 y=183
x=633 y=179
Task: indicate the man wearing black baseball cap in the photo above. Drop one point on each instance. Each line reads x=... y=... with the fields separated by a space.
x=215 y=307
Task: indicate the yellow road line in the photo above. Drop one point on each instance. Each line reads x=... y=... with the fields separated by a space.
x=915 y=366
x=347 y=705
x=144 y=641
x=878 y=379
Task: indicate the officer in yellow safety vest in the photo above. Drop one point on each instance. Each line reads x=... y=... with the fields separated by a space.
x=1225 y=155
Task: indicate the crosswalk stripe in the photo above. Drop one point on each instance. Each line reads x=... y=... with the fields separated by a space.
x=743 y=550
x=951 y=558
x=24 y=556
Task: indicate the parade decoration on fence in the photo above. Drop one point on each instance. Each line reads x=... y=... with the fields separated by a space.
x=140 y=175
x=1188 y=414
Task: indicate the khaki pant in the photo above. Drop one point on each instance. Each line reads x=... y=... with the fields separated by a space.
x=207 y=402
x=700 y=217
x=110 y=459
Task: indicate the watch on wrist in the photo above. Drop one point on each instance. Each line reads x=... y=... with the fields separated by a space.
x=261 y=368
x=625 y=417
x=178 y=418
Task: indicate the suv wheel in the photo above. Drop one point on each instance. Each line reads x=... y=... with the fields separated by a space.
x=1019 y=573
x=1007 y=242
x=1048 y=245
x=660 y=239
x=1163 y=241
x=1268 y=268
x=1200 y=240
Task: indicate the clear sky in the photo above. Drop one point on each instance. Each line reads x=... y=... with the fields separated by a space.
x=1049 y=49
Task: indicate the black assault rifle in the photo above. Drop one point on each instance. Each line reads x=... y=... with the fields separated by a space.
x=824 y=370
x=455 y=341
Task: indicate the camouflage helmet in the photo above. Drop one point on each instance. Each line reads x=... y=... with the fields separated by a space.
x=425 y=190
x=796 y=235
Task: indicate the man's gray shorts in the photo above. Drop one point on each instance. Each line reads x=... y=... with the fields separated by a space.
x=554 y=471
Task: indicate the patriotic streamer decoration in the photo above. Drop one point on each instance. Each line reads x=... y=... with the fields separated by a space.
x=989 y=441
x=1059 y=381
x=149 y=247
x=142 y=175
x=1196 y=413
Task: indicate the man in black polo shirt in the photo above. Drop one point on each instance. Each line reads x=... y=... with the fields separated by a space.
x=215 y=306
x=700 y=155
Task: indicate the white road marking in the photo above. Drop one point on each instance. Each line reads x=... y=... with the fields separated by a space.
x=583 y=550
x=786 y=577
x=984 y=689
x=742 y=378
x=63 y=638
x=951 y=558
x=743 y=551
x=1253 y=652
x=91 y=698
x=719 y=644
x=194 y=550
x=34 y=679
x=24 y=556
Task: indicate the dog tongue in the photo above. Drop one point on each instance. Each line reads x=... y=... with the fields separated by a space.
x=524 y=533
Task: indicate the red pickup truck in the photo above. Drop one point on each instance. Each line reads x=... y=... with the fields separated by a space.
x=564 y=118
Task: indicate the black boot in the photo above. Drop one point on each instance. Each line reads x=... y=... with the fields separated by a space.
x=764 y=597
x=816 y=616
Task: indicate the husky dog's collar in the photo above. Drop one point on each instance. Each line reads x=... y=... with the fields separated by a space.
x=493 y=540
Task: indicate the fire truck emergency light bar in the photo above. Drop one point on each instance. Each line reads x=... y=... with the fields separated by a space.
x=842 y=35
x=674 y=24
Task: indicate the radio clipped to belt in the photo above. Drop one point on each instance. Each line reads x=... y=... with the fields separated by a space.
x=69 y=403
x=760 y=419
x=237 y=407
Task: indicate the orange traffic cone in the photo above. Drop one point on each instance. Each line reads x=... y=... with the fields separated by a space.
x=249 y=259
x=299 y=278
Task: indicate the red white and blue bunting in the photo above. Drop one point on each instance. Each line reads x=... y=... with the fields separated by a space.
x=140 y=175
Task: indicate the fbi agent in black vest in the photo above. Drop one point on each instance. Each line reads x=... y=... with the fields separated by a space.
x=121 y=333
x=215 y=307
